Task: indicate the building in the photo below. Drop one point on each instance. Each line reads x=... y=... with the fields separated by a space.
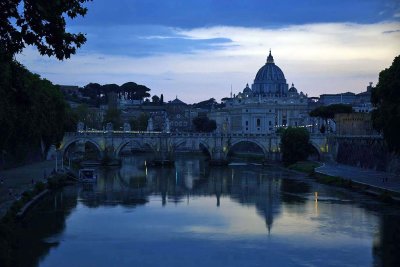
x=344 y=98
x=354 y=124
x=266 y=106
x=360 y=102
x=179 y=117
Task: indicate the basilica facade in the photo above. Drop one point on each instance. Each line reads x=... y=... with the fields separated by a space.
x=268 y=105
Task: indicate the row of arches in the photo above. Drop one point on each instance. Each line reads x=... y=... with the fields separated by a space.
x=240 y=147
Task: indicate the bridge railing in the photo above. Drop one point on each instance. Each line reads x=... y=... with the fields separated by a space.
x=130 y=134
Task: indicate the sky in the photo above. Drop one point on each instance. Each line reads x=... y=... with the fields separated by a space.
x=198 y=49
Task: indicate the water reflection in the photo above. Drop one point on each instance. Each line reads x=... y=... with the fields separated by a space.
x=241 y=216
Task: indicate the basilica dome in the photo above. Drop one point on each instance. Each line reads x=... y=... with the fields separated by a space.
x=292 y=89
x=270 y=71
x=247 y=89
x=270 y=80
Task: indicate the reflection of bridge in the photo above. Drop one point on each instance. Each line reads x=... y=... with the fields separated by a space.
x=217 y=145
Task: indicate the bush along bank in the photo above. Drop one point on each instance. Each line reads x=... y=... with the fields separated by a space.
x=9 y=237
x=309 y=168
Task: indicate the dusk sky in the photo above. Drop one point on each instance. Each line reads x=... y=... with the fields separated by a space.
x=199 y=49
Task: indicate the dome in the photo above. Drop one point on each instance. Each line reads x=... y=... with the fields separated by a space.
x=270 y=80
x=270 y=71
x=292 y=89
x=247 y=90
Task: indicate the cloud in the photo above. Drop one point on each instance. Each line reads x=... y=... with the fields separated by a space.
x=200 y=63
x=391 y=31
x=143 y=41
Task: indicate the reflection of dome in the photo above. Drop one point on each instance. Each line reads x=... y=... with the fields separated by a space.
x=270 y=79
x=292 y=89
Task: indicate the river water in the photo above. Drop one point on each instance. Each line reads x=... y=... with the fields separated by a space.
x=194 y=215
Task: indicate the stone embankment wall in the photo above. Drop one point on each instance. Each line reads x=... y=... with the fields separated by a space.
x=367 y=153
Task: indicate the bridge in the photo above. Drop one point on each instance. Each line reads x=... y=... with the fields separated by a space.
x=165 y=144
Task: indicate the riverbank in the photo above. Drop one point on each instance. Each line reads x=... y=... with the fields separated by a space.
x=11 y=228
x=380 y=184
x=20 y=179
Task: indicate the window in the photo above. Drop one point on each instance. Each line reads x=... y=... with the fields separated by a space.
x=247 y=123
x=258 y=122
x=270 y=123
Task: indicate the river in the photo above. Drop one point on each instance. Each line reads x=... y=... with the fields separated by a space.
x=194 y=215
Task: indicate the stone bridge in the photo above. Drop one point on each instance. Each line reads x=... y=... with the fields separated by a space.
x=164 y=145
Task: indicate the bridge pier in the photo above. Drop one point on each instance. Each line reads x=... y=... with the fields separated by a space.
x=164 y=152
x=218 y=155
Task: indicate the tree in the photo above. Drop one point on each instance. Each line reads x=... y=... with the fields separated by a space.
x=295 y=145
x=206 y=104
x=89 y=117
x=155 y=99
x=140 y=123
x=329 y=112
x=386 y=98
x=113 y=115
x=135 y=91
x=204 y=124
x=40 y=23
x=33 y=112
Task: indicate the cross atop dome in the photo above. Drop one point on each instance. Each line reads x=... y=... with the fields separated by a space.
x=270 y=58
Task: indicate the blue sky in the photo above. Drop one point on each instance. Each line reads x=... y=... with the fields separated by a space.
x=199 y=49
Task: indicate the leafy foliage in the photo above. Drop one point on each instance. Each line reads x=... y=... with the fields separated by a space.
x=140 y=123
x=208 y=104
x=40 y=23
x=204 y=124
x=130 y=90
x=113 y=115
x=90 y=118
x=135 y=91
x=155 y=99
x=386 y=98
x=328 y=112
x=32 y=111
x=295 y=145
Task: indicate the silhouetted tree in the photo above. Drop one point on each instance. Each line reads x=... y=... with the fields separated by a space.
x=386 y=98
x=42 y=24
x=295 y=145
x=113 y=115
x=328 y=112
x=155 y=99
x=32 y=111
x=204 y=124
x=135 y=91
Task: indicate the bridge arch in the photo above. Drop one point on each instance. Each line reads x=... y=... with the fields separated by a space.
x=243 y=141
x=123 y=144
x=65 y=147
x=178 y=144
x=204 y=147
